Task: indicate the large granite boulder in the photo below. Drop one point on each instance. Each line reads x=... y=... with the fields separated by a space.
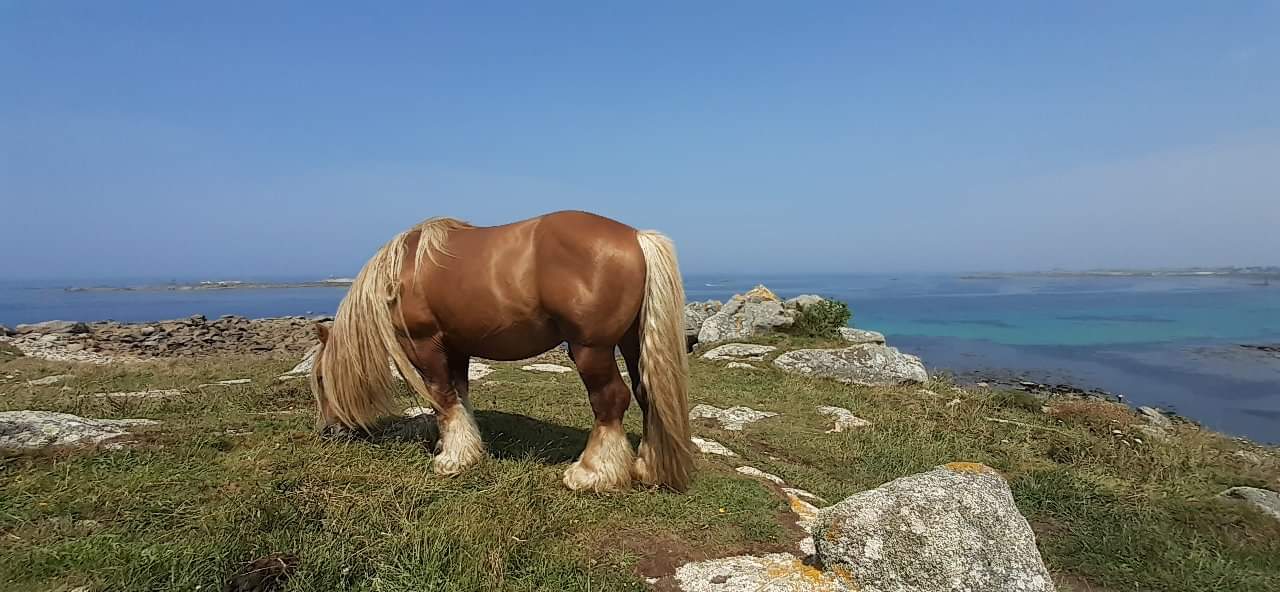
x=865 y=365
x=745 y=315
x=696 y=313
x=950 y=529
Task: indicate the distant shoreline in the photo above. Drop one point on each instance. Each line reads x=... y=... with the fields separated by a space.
x=221 y=285
x=1264 y=274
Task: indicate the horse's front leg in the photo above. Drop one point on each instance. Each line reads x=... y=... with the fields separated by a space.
x=605 y=464
x=460 y=445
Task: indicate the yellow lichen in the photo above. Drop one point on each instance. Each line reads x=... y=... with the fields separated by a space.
x=762 y=293
x=968 y=467
x=802 y=508
x=816 y=580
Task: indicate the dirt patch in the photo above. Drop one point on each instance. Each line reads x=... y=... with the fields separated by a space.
x=264 y=574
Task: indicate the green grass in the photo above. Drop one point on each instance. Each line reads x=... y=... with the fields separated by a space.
x=193 y=502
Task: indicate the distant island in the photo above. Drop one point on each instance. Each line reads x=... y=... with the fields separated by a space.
x=217 y=285
x=1261 y=273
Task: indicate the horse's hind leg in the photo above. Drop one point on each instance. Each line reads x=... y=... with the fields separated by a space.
x=630 y=347
x=460 y=445
x=605 y=464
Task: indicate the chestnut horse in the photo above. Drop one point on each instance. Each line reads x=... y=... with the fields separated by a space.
x=444 y=291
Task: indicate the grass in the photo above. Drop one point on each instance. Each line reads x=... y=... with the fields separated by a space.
x=197 y=498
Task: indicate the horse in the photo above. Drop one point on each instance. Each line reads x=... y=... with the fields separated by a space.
x=444 y=291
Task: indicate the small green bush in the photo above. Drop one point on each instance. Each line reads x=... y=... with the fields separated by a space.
x=822 y=319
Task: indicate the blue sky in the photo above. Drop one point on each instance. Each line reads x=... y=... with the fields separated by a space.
x=197 y=139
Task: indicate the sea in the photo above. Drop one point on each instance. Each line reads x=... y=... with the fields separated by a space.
x=1175 y=342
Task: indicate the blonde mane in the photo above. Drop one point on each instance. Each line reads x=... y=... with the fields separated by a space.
x=351 y=373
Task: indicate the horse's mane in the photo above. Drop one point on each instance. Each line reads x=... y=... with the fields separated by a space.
x=357 y=381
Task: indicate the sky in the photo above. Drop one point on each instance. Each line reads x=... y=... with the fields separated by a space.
x=162 y=139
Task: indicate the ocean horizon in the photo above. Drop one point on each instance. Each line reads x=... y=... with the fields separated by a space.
x=1175 y=342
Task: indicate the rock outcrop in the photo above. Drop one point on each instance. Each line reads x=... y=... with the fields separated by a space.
x=803 y=300
x=1263 y=500
x=738 y=352
x=844 y=419
x=745 y=315
x=696 y=313
x=865 y=365
x=861 y=336
x=953 y=528
x=732 y=419
x=105 y=341
x=46 y=429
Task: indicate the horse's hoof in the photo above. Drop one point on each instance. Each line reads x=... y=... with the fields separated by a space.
x=448 y=465
x=579 y=478
x=640 y=471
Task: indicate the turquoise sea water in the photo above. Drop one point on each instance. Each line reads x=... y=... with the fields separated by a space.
x=1174 y=342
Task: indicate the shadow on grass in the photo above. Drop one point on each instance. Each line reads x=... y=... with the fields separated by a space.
x=507 y=436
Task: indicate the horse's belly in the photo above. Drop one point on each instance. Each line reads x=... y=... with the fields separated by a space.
x=514 y=342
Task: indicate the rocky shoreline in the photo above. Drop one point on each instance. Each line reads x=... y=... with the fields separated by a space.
x=865 y=359
x=104 y=342
x=218 y=285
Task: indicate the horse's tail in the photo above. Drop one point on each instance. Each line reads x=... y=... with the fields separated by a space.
x=353 y=374
x=664 y=369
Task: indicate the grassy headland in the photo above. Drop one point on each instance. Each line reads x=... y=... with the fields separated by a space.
x=233 y=474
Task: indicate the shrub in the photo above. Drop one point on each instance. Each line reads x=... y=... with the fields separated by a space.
x=821 y=319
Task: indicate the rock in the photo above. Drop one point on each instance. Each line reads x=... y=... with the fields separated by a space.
x=5 y=331
x=50 y=338
x=75 y=347
x=804 y=494
x=695 y=313
x=953 y=528
x=229 y=382
x=754 y=472
x=48 y=327
x=478 y=370
x=745 y=315
x=1250 y=457
x=552 y=368
x=732 y=419
x=774 y=572
x=711 y=447
x=865 y=365
x=803 y=300
x=1263 y=500
x=148 y=394
x=738 y=351
x=43 y=429
x=741 y=365
x=49 y=380
x=845 y=419
x=1155 y=417
x=306 y=364
x=1154 y=432
x=861 y=336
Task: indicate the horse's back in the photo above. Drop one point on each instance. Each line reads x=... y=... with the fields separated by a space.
x=519 y=289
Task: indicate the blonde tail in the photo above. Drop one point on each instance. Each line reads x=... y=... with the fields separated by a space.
x=664 y=369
